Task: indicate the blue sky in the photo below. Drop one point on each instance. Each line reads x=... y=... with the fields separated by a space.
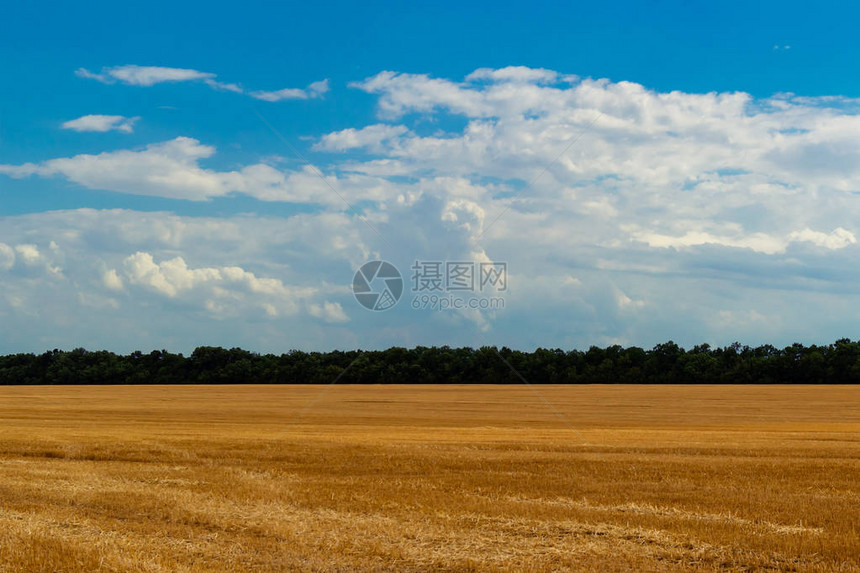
x=648 y=171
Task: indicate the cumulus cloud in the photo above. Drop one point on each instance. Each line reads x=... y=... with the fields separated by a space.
x=134 y=278
x=112 y=280
x=404 y=93
x=227 y=290
x=329 y=311
x=370 y=138
x=695 y=162
x=27 y=260
x=101 y=123
x=7 y=257
x=626 y=215
x=29 y=254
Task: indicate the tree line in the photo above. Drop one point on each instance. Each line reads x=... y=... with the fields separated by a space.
x=667 y=363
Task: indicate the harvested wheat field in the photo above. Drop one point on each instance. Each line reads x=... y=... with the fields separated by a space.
x=429 y=478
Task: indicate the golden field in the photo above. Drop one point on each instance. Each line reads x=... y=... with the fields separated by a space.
x=430 y=478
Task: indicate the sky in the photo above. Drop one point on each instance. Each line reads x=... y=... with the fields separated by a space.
x=209 y=174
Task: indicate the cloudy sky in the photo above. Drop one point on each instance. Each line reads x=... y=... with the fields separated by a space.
x=178 y=176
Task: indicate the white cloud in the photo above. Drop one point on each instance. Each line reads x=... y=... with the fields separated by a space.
x=314 y=90
x=837 y=239
x=627 y=303
x=112 y=280
x=404 y=93
x=147 y=76
x=86 y=74
x=370 y=137
x=222 y=86
x=225 y=291
x=102 y=123
x=698 y=164
x=29 y=254
x=138 y=279
x=144 y=75
x=671 y=210
x=166 y=169
x=169 y=277
x=329 y=311
x=7 y=257
x=172 y=169
x=758 y=242
x=280 y=95
x=515 y=74
x=318 y=88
